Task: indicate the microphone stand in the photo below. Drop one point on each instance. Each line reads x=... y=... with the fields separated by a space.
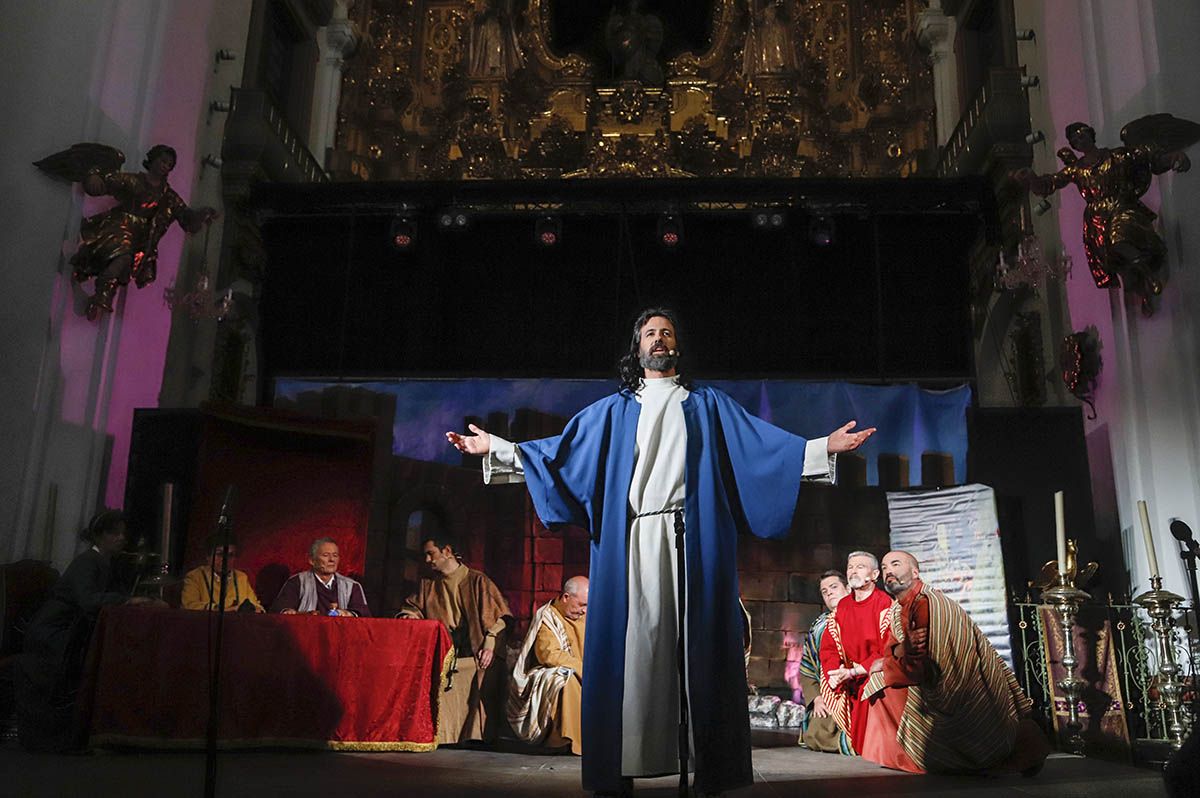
x=681 y=656
x=214 y=686
x=1189 y=551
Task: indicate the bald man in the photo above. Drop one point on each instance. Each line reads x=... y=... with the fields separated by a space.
x=941 y=698
x=546 y=692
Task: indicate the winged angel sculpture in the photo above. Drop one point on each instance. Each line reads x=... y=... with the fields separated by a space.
x=1118 y=229
x=121 y=244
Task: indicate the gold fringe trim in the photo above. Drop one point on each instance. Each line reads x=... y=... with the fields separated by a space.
x=101 y=740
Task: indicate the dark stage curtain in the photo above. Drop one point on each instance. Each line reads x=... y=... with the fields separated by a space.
x=297 y=479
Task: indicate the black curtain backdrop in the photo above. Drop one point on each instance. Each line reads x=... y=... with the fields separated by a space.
x=887 y=300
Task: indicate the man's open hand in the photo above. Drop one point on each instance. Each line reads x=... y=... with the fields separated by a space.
x=479 y=443
x=843 y=440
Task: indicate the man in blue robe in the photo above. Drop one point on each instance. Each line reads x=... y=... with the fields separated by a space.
x=621 y=469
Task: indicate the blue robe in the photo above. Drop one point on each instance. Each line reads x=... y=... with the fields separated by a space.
x=742 y=474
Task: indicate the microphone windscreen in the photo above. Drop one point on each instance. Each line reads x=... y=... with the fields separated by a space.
x=1181 y=531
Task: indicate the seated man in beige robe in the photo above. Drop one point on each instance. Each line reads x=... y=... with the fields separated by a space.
x=545 y=693
x=476 y=614
x=942 y=699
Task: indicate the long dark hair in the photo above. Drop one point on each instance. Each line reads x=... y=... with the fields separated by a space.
x=629 y=367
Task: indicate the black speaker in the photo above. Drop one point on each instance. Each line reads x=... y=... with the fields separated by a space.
x=163 y=449
x=1025 y=455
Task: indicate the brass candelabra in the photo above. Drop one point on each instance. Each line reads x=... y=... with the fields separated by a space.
x=1160 y=606
x=1066 y=599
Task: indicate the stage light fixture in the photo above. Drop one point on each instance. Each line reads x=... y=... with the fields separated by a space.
x=670 y=230
x=402 y=233
x=454 y=219
x=547 y=231
x=822 y=231
x=768 y=218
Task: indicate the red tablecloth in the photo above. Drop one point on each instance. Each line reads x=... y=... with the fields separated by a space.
x=363 y=684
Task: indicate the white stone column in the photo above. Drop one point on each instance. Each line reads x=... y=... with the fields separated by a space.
x=336 y=42
x=936 y=32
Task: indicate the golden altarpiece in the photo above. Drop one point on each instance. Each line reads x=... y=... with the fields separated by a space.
x=488 y=89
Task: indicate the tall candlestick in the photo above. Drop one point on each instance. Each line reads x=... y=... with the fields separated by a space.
x=1149 y=538
x=1060 y=531
x=168 y=513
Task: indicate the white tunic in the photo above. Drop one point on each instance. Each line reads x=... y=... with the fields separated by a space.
x=650 y=705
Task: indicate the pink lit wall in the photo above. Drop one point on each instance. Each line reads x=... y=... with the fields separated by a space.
x=1108 y=63
x=178 y=101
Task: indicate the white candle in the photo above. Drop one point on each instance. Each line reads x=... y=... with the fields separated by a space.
x=1060 y=531
x=1149 y=538
x=168 y=514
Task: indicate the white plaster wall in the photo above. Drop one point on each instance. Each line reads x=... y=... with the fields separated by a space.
x=1108 y=62
x=129 y=73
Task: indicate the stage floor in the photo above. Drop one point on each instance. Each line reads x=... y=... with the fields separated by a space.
x=445 y=773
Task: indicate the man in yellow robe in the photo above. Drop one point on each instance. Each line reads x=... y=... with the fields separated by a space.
x=202 y=586
x=476 y=615
x=545 y=694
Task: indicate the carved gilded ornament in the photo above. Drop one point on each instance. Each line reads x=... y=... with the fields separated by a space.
x=829 y=87
x=444 y=40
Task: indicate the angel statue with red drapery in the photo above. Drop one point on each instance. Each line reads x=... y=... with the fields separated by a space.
x=121 y=244
x=1118 y=229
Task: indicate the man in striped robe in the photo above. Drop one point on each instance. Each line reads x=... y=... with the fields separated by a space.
x=942 y=699
x=821 y=730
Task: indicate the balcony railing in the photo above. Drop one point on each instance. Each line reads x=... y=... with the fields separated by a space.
x=258 y=133
x=992 y=130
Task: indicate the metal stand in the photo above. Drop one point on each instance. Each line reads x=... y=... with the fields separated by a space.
x=681 y=655
x=1066 y=599
x=1189 y=554
x=214 y=686
x=1160 y=605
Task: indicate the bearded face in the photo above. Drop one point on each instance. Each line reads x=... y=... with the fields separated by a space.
x=860 y=572
x=656 y=345
x=899 y=571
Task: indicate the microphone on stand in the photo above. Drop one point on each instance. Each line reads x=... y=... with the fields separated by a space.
x=1183 y=533
x=214 y=690
x=1190 y=553
x=223 y=517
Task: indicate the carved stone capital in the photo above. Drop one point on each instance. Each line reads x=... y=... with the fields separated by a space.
x=342 y=37
x=936 y=31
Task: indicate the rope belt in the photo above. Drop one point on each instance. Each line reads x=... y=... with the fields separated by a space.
x=664 y=511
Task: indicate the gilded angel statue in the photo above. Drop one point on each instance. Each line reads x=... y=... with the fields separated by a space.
x=121 y=244
x=1118 y=229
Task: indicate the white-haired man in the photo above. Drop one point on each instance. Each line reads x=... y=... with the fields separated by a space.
x=322 y=590
x=545 y=695
x=851 y=645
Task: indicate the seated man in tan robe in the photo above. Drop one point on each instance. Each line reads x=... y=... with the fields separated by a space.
x=545 y=693
x=202 y=585
x=942 y=699
x=476 y=614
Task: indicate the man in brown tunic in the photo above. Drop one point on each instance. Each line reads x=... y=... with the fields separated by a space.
x=476 y=614
x=545 y=695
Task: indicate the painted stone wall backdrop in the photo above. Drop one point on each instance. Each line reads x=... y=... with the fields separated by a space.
x=779 y=578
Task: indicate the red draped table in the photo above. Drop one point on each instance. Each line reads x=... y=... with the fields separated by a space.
x=360 y=684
